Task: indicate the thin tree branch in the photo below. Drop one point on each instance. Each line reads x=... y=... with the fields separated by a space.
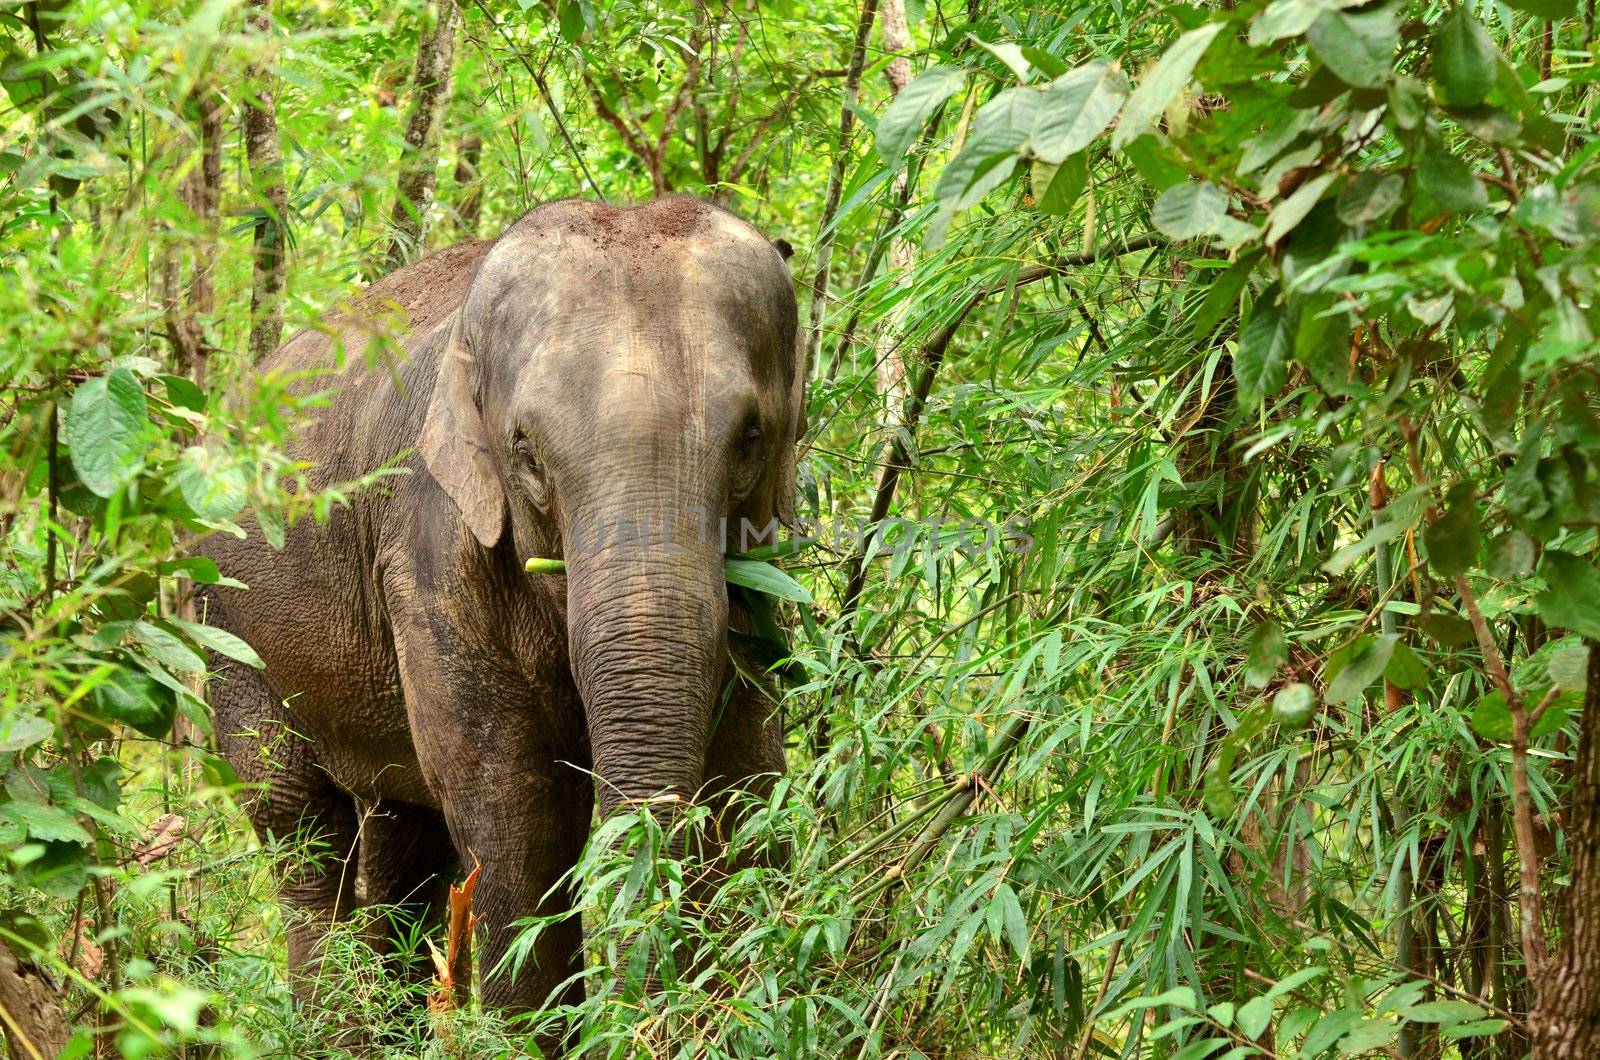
x=932 y=356
x=841 y=160
x=550 y=103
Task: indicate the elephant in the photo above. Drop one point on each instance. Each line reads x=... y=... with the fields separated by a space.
x=426 y=704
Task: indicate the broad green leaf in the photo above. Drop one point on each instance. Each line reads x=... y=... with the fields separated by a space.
x=1163 y=83
x=1572 y=599
x=1546 y=9
x=1156 y=161
x=1488 y=123
x=271 y=523
x=1369 y=196
x=1358 y=46
x=1283 y=18
x=1555 y=715
x=136 y=699
x=765 y=578
x=1406 y=668
x=61 y=871
x=1268 y=650
x=1329 y=1029
x=183 y=393
x=1353 y=669
x=1463 y=58
x=22 y=77
x=167 y=648
x=1254 y=1015
x=1044 y=61
x=1292 y=707
x=1448 y=631
x=1007 y=53
x=1190 y=210
x=220 y=641
x=105 y=430
x=1076 y=108
x=1015 y=110
x=1407 y=98
x=1218 y=786
x=1065 y=185
x=1263 y=350
x=1568 y=665
x=1491 y=718
x=49 y=823
x=102 y=782
x=1510 y=555
x=576 y=17
x=214 y=486
x=1222 y=294
x=1178 y=997
x=1443 y=1012
x=20 y=732
x=200 y=569
x=1453 y=539
x=1564 y=338
x=1322 y=342
x=989 y=157
x=1474 y=1029
x=1291 y=211
x=904 y=118
x=1367 y=1035
x=1449 y=180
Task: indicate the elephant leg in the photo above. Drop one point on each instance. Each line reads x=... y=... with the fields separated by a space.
x=745 y=756
x=293 y=798
x=525 y=825
x=495 y=750
x=406 y=864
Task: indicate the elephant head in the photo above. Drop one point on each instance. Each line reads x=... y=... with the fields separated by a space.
x=618 y=382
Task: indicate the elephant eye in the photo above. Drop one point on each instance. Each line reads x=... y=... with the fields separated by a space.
x=750 y=437
x=525 y=453
x=747 y=466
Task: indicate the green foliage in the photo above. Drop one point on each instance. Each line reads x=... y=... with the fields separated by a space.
x=1280 y=351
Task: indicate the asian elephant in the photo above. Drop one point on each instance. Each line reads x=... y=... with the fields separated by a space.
x=602 y=384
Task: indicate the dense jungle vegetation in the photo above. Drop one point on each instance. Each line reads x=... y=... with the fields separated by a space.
x=1264 y=330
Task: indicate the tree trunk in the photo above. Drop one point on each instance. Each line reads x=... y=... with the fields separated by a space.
x=891 y=367
x=471 y=207
x=266 y=175
x=187 y=310
x=430 y=93
x=34 y=1027
x=1565 y=1021
x=841 y=161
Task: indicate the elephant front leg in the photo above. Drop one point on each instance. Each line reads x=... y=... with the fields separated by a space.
x=494 y=749
x=745 y=758
x=524 y=829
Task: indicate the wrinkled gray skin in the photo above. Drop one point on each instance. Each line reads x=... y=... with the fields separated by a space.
x=425 y=703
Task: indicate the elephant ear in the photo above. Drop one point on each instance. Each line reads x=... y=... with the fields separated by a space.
x=794 y=429
x=455 y=445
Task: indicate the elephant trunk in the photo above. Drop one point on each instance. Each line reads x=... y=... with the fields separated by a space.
x=647 y=609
